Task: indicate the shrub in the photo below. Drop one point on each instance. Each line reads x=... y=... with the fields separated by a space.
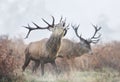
x=10 y=58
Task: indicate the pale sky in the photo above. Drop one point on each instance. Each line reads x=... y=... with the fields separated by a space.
x=17 y=13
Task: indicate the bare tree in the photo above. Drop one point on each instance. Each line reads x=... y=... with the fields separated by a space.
x=45 y=51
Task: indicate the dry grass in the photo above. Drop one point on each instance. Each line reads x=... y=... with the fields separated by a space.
x=108 y=54
x=104 y=75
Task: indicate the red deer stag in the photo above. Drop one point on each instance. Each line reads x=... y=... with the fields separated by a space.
x=79 y=48
x=45 y=51
x=70 y=49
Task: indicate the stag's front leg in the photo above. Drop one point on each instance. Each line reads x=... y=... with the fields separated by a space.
x=54 y=66
x=35 y=66
x=27 y=61
x=42 y=68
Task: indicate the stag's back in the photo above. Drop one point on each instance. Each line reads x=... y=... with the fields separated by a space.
x=66 y=48
x=71 y=49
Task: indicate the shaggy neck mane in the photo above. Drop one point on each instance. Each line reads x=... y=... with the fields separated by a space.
x=53 y=45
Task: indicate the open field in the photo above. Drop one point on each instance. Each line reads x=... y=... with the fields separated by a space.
x=102 y=66
x=104 y=75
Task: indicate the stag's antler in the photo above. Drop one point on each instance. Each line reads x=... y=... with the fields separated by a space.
x=63 y=21
x=75 y=28
x=94 y=38
x=38 y=27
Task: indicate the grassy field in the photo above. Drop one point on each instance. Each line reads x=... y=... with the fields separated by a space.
x=103 y=75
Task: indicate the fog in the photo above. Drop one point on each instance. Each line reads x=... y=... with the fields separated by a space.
x=14 y=14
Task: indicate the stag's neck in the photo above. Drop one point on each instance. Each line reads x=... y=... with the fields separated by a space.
x=79 y=49
x=53 y=45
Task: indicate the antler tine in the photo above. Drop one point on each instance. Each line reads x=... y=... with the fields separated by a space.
x=33 y=28
x=28 y=34
x=53 y=21
x=61 y=19
x=64 y=22
x=75 y=28
x=46 y=22
x=94 y=39
x=96 y=27
x=96 y=30
x=38 y=27
x=30 y=29
x=67 y=25
x=66 y=29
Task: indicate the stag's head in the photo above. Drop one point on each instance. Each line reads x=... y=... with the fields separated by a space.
x=85 y=44
x=60 y=29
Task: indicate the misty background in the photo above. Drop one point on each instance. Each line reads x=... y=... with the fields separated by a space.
x=17 y=13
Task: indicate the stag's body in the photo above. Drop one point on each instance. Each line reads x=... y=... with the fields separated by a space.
x=45 y=51
x=71 y=49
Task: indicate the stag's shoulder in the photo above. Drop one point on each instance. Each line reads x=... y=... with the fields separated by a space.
x=66 y=40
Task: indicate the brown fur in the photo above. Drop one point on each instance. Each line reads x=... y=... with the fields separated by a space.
x=71 y=49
